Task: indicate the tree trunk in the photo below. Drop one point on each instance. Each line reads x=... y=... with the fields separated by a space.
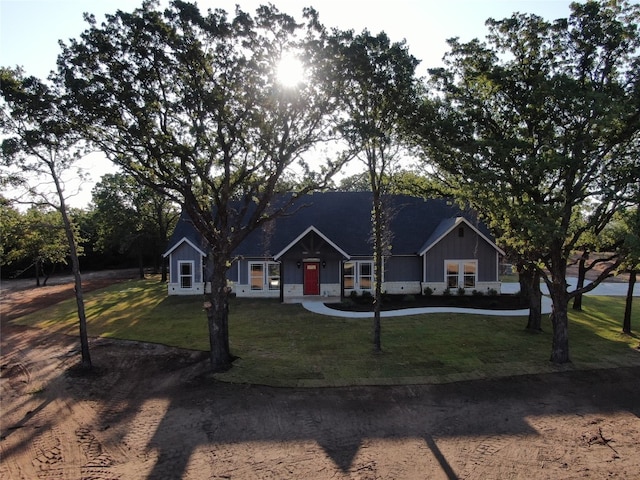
x=626 y=324
x=47 y=274
x=37 y=267
x=140 y=259
x=218 y=319
x=582 y=273
x=534 y=294
x=559 y=320
x=85 y=362
x=377 y=271
x=524 y=279
x=165 y=272
x=377 y=307
x=377 y=340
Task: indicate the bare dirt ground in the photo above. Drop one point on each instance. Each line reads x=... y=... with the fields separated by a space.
x=151 y=412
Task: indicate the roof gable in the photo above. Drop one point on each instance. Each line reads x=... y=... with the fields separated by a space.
x=304 y=234
x=446 y=226
x=180 y=242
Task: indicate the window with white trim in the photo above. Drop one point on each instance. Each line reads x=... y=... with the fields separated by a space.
x=365 y=275
x=452 y=274
x=461 y=273
x=264 y=275
x=185 y=274
x=358 y=275
x=349 y=275
x=273 y=276
x=469 y=274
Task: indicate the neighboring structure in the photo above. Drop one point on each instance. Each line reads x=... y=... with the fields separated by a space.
x=324 y=249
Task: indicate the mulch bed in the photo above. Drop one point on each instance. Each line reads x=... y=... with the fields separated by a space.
x=397 y=302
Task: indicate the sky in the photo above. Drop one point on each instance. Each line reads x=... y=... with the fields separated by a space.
x=30 y=30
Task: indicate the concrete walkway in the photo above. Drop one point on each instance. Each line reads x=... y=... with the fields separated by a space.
x=605 y=289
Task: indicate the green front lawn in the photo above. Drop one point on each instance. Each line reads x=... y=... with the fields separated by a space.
x=287 y=345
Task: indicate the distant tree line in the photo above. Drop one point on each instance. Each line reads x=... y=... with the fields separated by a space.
x=123 y=227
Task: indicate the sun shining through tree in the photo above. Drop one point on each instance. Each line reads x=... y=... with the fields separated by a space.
x=290 y=70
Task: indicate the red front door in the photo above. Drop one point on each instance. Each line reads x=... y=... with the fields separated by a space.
x=311 y=278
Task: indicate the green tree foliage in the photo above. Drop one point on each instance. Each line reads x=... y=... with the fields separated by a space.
x=40 y=240
x=132 y=218
x=9 y=221
x=401 y=182
x=538 y=123
x=39 y=148
x=190 y=104
x=379 y=88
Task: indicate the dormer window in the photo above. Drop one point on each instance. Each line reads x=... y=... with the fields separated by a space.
x=460 y=232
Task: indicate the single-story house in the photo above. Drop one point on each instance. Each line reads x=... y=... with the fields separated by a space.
x=325 y=248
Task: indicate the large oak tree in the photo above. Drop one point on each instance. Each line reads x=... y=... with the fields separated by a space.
x=189 y=103
x=534 y=129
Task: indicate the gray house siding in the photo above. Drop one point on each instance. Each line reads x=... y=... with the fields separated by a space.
x=185 y=253
x=403 y=269
x=187 y=280
x=454 y=247
x=403 y=275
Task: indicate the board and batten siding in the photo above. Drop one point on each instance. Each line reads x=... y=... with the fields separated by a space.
x=454 y=247
x=403 y=269
x=403 y=275
x=185 y=252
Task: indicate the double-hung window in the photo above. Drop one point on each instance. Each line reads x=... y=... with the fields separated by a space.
x=185 y=274
x=273 y=276
x=264 y=276
x=469 y=274
x=365 y=275
x=358 y=275
x=349 y=275
x=461 y=273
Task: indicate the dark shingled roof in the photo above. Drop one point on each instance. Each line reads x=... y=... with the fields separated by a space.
x=345 y=219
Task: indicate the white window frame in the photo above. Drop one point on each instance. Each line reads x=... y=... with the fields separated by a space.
x=461 y=274
x=267 y=281
x=370 y=276
x=190 y=276
x=273 y=279
x=351 y=276
x=357 y=275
